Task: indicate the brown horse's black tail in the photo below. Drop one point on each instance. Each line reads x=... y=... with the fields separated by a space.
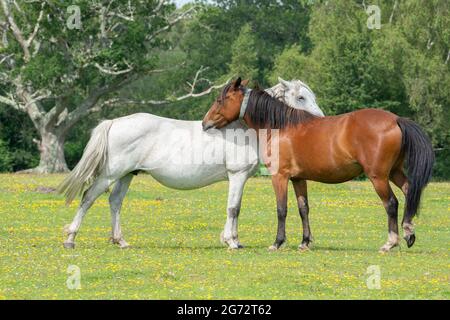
x=419 y=158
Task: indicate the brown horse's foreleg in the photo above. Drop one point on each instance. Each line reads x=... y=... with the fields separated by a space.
x=390 y=203
x=401 y=181
x=280 y=184
x=301 y=192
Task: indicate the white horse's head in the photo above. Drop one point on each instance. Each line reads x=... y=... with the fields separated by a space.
x=296 y=94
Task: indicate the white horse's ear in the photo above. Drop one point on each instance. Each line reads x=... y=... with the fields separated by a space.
x=283 y=82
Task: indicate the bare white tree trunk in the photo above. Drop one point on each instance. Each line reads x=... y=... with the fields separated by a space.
x=51 y=149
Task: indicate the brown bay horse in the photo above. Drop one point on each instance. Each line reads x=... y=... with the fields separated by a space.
x=334 y=149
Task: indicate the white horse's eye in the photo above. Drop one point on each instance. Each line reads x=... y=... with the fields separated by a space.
x=301 y=98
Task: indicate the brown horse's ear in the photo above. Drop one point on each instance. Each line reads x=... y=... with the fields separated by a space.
x=244 y=83
x=237 y=83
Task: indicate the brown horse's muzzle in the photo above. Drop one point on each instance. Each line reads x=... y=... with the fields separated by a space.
x=207 y=125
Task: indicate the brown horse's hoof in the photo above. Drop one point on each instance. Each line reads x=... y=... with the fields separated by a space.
x=383 y=250
x=69 y=245
x=303 y=248
x=388 y=247
x=410 y=239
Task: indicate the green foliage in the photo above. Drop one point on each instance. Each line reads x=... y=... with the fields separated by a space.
x=401 y=67
x=17 y=133
x=290 y=64
x=5 y=158
x=244 y=59
x=211 y=36
x=442 y=166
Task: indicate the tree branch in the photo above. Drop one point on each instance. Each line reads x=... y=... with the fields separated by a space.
x=4 y=58
x=17 y=32
x=11 y=102
x=391 y=18
x=92 y=99
x=15 y=29
x=120 y=101
x=113 y=70
x=180 y=17
x=159 y=6
x=36 y=26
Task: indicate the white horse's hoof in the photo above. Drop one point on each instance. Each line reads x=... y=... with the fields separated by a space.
x=120 y=242
x=273 y=248
x=222 y=238
x=69 y=245
x=232 y=244
x=124 y=245
x=66 y=229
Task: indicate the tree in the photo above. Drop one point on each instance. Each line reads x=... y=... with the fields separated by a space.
x=207 y=39
x=17 y=132
x=244 y=59
x=5 y=158
x=60 y=64
x=274 y=24
x=402 y=67
x=291 y=63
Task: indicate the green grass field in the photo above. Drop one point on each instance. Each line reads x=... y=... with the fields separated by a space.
x=177 y=254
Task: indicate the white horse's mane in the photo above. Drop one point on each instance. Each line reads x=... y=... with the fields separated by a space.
x=278 y=90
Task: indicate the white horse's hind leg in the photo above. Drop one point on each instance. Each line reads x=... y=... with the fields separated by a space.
x=230 y=232
x=115 y=203
x=98 y=187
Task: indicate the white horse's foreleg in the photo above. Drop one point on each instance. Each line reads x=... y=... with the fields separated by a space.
x=115 y=203
x=236 y=187
x=98 y=187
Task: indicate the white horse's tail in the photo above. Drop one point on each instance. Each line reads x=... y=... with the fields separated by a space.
x=91 y=163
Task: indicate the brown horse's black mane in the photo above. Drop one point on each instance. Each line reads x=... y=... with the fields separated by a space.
x=268 y=112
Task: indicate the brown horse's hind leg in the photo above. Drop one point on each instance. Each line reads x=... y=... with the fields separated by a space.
x=280 y=184
x=401 y=181
x=301 y=192
x=390 y=203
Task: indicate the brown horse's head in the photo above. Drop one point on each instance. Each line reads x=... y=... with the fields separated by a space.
x=226 y=107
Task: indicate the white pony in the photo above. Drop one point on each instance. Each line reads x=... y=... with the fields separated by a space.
x=165 y=149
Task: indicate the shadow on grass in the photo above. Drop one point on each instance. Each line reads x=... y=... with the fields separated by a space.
x=251 y=248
